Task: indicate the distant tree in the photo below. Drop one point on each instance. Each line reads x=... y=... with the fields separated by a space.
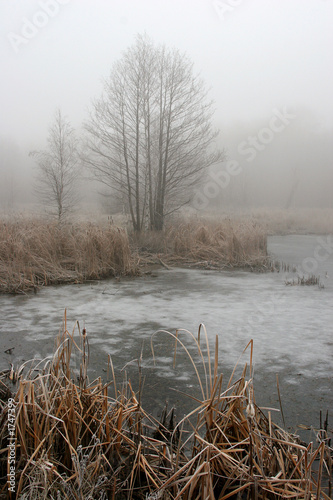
x=57 y=169
x=150 y=134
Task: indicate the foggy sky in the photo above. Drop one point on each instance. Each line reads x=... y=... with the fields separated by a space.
x=256 y=56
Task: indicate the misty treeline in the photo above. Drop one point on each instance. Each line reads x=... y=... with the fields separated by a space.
x=149 y=147
x=149 y=138
x=293 y=170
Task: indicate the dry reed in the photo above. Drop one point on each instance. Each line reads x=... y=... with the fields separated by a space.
x=293 y=220
x=75 y=441
x=208 y=244
x=35 y=253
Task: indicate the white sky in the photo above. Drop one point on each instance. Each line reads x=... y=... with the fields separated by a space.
x=254 y=54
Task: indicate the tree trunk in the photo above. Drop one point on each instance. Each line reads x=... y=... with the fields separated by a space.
x=155 y=108
x=158 y=216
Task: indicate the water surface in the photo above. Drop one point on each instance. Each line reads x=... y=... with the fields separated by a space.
x=291 y=327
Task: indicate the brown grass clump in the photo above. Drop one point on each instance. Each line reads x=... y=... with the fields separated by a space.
x=35 y=253
x=209 y=244
x=74 y=441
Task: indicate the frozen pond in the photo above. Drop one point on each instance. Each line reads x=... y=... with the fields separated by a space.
x=291 y=327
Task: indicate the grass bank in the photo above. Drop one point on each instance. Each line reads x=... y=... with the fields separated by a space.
x=77 y=439
x=35 y=253
x=211 y=244
x=291 y=221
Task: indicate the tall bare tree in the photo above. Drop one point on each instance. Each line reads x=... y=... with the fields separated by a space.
x=150 y=134
x=57 y=169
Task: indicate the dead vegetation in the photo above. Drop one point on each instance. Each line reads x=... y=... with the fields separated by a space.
x=310 y=280
x=75 y=441
x=208 y=244
x=293 y=220
x=35 y=253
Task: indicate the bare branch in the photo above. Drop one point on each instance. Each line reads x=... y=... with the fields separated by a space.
x=150 y=135
x=58 y=169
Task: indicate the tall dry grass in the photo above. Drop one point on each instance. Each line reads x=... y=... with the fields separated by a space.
x=75 y=441
x=35 y=253
x=208 y=243
x=294 y=220
x=280 y=221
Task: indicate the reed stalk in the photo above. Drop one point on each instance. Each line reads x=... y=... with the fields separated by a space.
x=75 y=441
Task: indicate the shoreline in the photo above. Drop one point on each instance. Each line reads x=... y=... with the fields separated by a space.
x=224 y=422
x=36 y=253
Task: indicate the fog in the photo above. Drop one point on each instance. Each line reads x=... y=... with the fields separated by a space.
x=268 y=65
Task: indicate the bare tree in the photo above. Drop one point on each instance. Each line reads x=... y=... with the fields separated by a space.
x=57 y=169
x=150 y=134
